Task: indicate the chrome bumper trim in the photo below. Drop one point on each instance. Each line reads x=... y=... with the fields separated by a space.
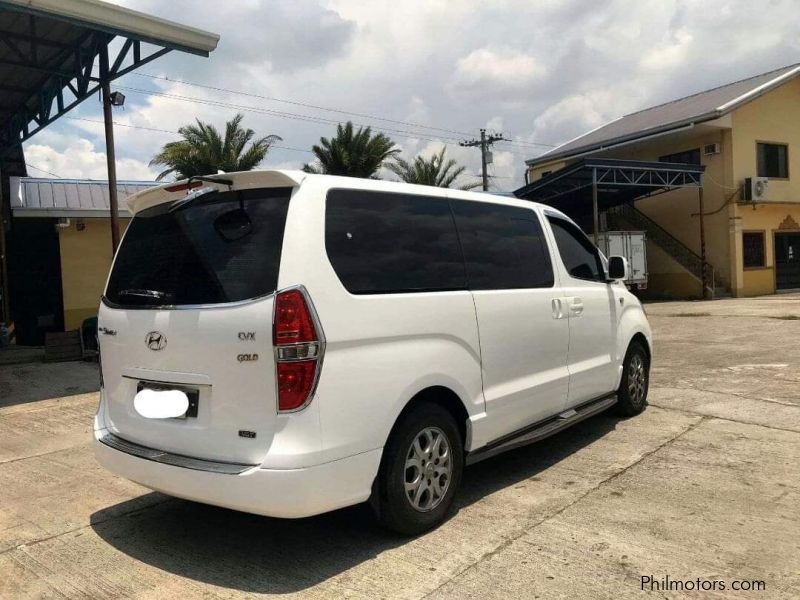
x=176 y=460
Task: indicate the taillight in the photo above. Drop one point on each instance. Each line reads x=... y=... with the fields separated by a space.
x=299 y=344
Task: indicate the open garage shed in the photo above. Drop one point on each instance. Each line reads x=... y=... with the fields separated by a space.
x=54 y=54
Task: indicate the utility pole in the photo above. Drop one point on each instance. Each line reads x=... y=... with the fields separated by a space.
x=484 y=144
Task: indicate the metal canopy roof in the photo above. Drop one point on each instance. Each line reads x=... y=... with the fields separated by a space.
x=697 y=108
x=55 y=53
x=79 y=198
x=618 y=182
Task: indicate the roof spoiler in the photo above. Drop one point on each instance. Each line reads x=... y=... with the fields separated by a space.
x=225 y=181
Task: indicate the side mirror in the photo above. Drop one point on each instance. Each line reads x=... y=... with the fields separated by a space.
x=618 y=268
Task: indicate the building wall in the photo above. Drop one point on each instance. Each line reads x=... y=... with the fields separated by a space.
x=774 y=117
x=535 y=173
x=85 y=262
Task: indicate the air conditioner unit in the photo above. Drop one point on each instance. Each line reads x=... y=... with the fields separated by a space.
x=756 y=189
x=711 y=149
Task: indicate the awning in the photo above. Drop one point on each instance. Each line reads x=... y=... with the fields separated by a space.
x=77 y=198
x=48 y=51
x=616 y=181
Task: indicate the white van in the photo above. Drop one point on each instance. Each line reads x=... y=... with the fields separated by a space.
x=287 y=344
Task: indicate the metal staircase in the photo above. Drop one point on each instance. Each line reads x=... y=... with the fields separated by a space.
x=684 y=256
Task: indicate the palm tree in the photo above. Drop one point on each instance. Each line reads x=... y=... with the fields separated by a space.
x=431 y=171
x=202 y=151
x=352 y=153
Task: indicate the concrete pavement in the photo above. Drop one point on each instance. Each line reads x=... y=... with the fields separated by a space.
x=705 y=484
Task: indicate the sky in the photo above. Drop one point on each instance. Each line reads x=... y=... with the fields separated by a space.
x=426 y=72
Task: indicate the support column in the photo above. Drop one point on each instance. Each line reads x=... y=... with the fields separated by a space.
x=704 y=266
x=595 y=210
x=110 y=154
x=4 y=202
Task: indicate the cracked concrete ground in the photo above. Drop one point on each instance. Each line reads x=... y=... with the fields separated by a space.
x=705 y=484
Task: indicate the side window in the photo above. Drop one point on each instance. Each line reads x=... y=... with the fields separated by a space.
x=381 y=242
x=503 y=246
x=579 y=254
x=772 y=160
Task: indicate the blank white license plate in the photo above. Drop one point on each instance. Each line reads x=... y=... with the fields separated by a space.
x=162 y=401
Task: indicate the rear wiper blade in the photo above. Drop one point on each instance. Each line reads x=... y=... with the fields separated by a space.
x=156 y=294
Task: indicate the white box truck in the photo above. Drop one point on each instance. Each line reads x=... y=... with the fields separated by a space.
x=633 y=246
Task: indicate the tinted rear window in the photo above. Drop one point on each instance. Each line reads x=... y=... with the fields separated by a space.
x=382 y=242
x=503 y=246
x=222 y=248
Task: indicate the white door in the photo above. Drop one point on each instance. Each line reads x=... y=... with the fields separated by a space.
x=591 y=306
x=523 y=331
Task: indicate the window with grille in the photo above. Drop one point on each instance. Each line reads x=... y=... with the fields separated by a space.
x=753 y=249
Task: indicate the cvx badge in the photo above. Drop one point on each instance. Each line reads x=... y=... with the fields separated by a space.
x=155 y=340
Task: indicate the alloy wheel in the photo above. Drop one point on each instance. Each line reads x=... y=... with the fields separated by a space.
x=637 y=380
x=428 y=469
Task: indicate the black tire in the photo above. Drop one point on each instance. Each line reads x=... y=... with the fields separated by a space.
x=632 y=393
x=393 y=505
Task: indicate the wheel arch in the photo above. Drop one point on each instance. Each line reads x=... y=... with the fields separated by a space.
x=447 y=399
x=642 y=339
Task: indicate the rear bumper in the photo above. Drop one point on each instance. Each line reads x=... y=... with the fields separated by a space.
x=285 y=493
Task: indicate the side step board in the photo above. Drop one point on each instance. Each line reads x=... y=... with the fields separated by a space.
x=543 y=429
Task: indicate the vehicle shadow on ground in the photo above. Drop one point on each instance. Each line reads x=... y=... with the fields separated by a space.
x=257 y=554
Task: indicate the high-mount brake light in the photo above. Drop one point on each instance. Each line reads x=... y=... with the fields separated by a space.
x=182 y=187
x=299 y=345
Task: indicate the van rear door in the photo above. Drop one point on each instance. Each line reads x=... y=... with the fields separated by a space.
x=188 y=307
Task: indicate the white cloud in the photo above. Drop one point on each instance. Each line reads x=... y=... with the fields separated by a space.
x=541 y=71
x=80 y=160
x=502 y=67
x=670 y=54
x=571 y=117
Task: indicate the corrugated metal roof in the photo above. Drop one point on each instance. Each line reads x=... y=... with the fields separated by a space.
x=707 y=105
x=118 y=20
x=38 y=197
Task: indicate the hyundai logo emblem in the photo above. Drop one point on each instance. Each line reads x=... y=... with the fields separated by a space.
x=155 y=340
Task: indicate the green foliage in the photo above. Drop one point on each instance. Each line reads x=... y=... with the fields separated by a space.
x=352 y=153
x=435 y=171
x=203 y=151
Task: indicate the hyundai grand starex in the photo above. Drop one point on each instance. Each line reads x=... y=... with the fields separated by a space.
x=287 y=344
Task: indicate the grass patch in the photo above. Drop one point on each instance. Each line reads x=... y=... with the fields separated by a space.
x=691 y=314
x=787 y=318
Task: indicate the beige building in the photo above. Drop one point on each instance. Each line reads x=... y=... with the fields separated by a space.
x=746 y=135
x=60 y=251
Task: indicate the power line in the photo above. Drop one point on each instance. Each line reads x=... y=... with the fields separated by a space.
x=282 y=114
x=298 y=103
x=142 y=127
x=27 y=164
x=326 y=108
x=290 y=148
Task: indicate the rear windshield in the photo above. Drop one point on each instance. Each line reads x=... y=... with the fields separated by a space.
x=221 y=247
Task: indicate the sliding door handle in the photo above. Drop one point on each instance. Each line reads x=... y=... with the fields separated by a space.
x=558 y=308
